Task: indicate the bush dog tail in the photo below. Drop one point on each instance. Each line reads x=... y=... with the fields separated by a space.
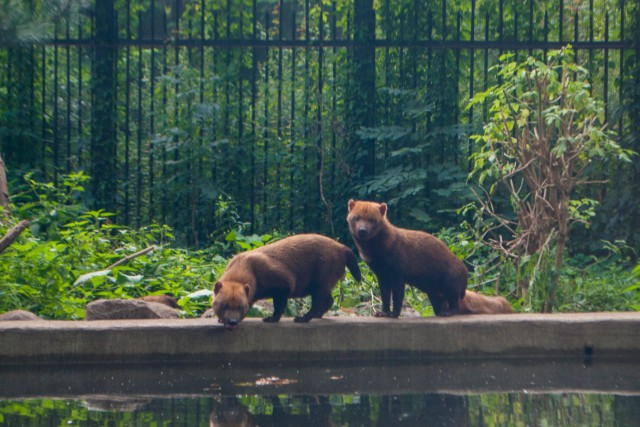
x=352 y=265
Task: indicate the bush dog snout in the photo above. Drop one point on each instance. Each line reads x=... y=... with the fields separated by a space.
x=398 y=256
x=294 y=267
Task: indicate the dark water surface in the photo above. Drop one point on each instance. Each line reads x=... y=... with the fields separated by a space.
x=517 y=392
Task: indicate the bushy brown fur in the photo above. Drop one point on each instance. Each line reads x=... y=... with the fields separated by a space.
x=474 y=303
x=398 y=256
x=294 y=267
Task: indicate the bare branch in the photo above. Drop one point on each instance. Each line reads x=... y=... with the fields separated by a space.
x=130 y=257
x=13 y=234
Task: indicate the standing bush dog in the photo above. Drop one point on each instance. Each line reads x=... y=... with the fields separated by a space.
x=398 y=256
x=294 y=267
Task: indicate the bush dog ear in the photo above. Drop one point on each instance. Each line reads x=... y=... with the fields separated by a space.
x=247 y=289
x=383 y=209
x=351 y=204
x=216 y=288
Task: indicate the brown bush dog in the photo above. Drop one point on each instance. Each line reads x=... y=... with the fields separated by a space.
x=294 y=267
x=398 y=256
x=474 y=303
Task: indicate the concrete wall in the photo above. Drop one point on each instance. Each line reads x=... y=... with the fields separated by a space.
x=254 y=343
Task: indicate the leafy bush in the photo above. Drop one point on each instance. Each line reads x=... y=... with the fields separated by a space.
x=39 y=272
x=545 y=134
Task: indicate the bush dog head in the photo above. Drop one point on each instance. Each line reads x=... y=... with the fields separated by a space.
x=231 y=302
x=366 y=222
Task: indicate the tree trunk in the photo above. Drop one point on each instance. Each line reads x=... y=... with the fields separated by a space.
x=555 y=279
x=4 y=187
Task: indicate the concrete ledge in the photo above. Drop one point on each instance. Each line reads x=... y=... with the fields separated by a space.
x=254 y=343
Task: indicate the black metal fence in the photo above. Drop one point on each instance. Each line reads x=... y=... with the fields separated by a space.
x=204 y=114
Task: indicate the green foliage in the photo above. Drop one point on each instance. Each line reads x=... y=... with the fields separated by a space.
x=39 y=272
x=23 y=23
x=545 y=139
x=419 y=189
x=60 y=263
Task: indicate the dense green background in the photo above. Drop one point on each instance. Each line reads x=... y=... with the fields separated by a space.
x=234 y=122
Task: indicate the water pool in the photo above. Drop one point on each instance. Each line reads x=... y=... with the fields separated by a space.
x=519 y=391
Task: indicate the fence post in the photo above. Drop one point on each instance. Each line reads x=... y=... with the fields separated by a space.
x=362 y=102
x=103 y=120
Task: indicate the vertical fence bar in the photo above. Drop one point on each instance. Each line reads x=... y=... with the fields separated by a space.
x=334 y=98
x=486 y=67
x=319 y=127
x=546 y=34
x=280 y=157
x=214 y=128
x=152 y=129
x=241 y=142
x=401 y=50
x=43 y=109
x=561 y=22
x=307 y=100
x=127 y=111
x=265 y=134
x=456 y=151
x=80 y=110
x=606 y=67
x=68 y=95
x=515 y=31
x=292 y=127
x=190 y=196
x=576 y=36
x=181 y=184
x=163 y=153
x=530 y=25
x=500 y=23
x=591 y=13
x=252 y=154
x=9 y=84
x=202 y=151
x=621 y=72
x=227 y=80
x=429 y=64
x=444 y=19
x=414 y=55
x=139 y=128
x=387 y=79
x=56 y=85
x=32 y=103
x=472 y=63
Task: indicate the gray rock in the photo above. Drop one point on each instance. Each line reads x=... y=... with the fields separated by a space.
x=106 y=309
x=18 y=315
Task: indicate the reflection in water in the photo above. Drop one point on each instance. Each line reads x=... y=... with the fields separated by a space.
x=491 y=409
x=273 y=410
